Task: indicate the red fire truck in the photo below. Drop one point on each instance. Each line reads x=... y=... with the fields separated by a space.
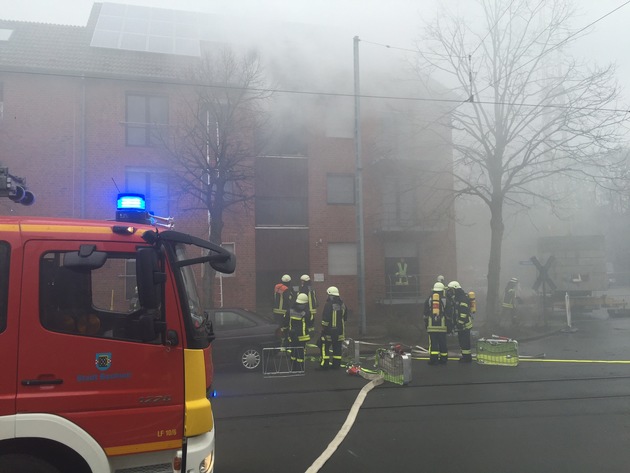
x=105 y=350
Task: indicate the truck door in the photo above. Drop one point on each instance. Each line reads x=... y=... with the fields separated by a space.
x=82 y=357
x=9 y=316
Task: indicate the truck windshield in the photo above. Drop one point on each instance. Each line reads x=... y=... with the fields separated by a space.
x=199 y=325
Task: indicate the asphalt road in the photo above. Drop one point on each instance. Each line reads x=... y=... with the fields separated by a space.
x=569 y=412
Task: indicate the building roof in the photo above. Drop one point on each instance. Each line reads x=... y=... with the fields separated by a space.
x=66 y=50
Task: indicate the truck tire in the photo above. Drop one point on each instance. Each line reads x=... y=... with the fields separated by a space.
x=23 y=463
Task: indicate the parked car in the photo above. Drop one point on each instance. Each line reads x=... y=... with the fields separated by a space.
x=241 y=336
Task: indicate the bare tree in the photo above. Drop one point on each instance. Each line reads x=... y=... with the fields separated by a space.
x=533 y=115
x=219 y=133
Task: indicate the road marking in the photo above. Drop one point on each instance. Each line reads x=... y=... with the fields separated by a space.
x=347 y=425
x=545 y=360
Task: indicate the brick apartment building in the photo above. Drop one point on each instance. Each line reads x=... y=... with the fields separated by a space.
x=71 y=123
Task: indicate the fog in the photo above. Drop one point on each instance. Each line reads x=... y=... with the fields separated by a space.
x=389 y=31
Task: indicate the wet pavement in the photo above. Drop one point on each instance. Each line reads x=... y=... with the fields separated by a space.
x=567 y=411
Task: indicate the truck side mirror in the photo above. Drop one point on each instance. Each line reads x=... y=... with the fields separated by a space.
x=149 y=278
x=227 y=266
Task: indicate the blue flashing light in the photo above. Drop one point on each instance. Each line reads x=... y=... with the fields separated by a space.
x=131 y=202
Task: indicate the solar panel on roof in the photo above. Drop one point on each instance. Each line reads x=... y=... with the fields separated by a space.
x=147 y=29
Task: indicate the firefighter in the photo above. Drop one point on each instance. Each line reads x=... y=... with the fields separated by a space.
x=334 y=318
x=306 y=288
x=298 y=331
x=462 y=319
x=435 y=321
x=403 y=280
x=509 y=302
x=283 y=298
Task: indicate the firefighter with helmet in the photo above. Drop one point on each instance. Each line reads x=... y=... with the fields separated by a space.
x=283 y=298
x=298 y=331
x=462 y=318
x=334 y=318
x=510 y=298
x=436 y=323
x=306 y=288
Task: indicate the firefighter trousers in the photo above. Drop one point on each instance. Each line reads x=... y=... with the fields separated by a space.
x=330 y=351
x=438 y=351
x=463 y=336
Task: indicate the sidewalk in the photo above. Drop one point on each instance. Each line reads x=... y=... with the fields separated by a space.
x=527 y=330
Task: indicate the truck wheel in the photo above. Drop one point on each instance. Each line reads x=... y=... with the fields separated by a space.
x=22 y=463
x=251 y=358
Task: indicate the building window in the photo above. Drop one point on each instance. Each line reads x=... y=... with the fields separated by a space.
x=5 y=34
x=154 y=184
x=399 y=201
x=342 y=259
x=281 y=191
x=340 y=188
x=146 y=117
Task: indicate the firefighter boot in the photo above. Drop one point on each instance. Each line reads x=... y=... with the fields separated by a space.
x=465 y=358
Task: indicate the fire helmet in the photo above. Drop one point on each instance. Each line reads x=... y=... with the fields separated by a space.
x=301 y=298
x=332 y=291
x=286 y=278
x=305 y=278
x=438 y=287
x=454 y=285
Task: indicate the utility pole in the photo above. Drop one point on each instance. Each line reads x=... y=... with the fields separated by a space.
x=358 y=191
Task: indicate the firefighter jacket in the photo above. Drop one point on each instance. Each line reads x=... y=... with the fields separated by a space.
x=312 y=304
x=282 y=299
x=402 y=273
x=334 y=318
x=462 y=319
x=435 y=317
x=298 y=323
x=509 y=296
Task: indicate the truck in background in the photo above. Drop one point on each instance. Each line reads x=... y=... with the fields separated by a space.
x=105 y=348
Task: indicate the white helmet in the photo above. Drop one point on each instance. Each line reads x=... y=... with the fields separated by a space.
x=301 y=298
x=305 y=278
x=286 y=278
x=440 y=278
x=454 y=285
x=332 y=291
x=438 y=287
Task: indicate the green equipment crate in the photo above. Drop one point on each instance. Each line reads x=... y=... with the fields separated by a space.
x=502 y=352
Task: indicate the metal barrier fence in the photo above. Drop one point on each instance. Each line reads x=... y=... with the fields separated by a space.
x=277 y=363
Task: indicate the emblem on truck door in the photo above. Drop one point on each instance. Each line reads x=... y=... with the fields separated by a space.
x=103 y=361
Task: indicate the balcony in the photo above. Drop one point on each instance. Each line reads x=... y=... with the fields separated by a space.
x=405 y=290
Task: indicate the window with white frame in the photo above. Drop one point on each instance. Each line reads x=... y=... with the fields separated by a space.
x=154 y=184
x=340 y=188
x=145 y=120
x=342 y=259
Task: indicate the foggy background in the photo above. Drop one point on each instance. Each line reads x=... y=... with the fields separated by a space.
x=398 y=24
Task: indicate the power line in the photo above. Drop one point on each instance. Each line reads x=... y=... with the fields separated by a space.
x=459 y=102
x=493 y=27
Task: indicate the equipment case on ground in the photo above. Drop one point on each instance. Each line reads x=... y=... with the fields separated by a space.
x=503 y=352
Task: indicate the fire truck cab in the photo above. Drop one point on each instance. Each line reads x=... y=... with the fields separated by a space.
x=105 y=348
